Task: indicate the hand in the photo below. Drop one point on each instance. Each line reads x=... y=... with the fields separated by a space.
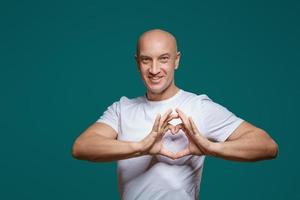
x=198 y=145
x=152 y=144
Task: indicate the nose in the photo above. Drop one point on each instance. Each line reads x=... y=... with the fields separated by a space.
x=154 y=68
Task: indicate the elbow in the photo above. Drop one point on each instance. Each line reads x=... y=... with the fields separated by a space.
x=273 y=149
x=77 y=150
x=270 y=147
x=270 y=151
x=80 y=152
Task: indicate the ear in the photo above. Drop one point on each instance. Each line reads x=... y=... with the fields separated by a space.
x=135 y=57
x=178 y=55
x=137 y=61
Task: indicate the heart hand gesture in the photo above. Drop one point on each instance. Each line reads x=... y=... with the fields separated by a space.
x=152 y=144
x=198 y=145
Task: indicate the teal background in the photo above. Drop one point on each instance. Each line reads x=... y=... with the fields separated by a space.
x=64 y=62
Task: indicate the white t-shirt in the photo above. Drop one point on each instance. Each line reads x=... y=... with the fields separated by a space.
x=158 y=177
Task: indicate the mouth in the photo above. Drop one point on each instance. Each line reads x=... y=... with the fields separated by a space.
x=155 y=79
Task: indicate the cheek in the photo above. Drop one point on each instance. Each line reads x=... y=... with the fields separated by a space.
x=168 y=69
x=144 y=75
x=143 y=71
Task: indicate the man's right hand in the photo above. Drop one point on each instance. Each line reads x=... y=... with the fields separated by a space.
x=152 y=144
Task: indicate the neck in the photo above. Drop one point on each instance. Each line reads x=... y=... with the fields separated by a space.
x=166 y=94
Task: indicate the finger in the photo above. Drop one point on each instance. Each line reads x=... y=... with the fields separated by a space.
x=178 y=127
x=165 y=116
x=200 y=140
x=170 y=118
x=184 y=119
x=163 y=119
x=193 y=126
x=181 y=115
x=182 y=153
x=174 y=129
x=156 y=123
x=169 y=127
x=167 y=153
x=198 y=135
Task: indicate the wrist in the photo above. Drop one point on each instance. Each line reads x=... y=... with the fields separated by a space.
x=215 y=149
x=137 y=148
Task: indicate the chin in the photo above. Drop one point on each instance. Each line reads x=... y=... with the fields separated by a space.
x=155 y=90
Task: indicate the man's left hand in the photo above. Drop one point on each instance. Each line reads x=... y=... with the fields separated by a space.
x=198 y=144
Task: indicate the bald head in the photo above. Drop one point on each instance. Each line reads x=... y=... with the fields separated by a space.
x=157 y=59
x=155 y=36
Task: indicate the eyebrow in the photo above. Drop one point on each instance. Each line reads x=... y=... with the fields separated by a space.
x=145 y=56
x=165 y=54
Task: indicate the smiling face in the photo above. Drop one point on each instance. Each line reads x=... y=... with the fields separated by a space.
x=157 y=58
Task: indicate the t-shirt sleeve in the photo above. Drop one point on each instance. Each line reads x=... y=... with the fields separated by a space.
x=111 y=116
x=217 y=122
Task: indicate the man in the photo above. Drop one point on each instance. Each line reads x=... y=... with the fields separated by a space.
x=160 y=139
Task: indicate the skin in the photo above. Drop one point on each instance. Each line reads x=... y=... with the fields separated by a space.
x=157 y=59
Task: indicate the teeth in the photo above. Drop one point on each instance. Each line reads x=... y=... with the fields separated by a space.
x=155 y=78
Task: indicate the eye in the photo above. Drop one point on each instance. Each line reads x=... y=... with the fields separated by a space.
x=164 y=59
x=145 y=59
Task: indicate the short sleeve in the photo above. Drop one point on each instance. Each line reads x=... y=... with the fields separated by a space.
x=217 y=122
x=111 y=116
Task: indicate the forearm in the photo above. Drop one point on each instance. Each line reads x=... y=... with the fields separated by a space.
x=247 y=148
x=97 y=148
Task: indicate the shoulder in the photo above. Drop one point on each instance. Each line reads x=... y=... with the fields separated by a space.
x=198 y=99
x=131 y=101
x=124 y=101
x=203 y=103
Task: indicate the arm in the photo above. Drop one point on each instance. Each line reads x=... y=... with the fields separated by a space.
x=99 y=144
x=246 y=143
